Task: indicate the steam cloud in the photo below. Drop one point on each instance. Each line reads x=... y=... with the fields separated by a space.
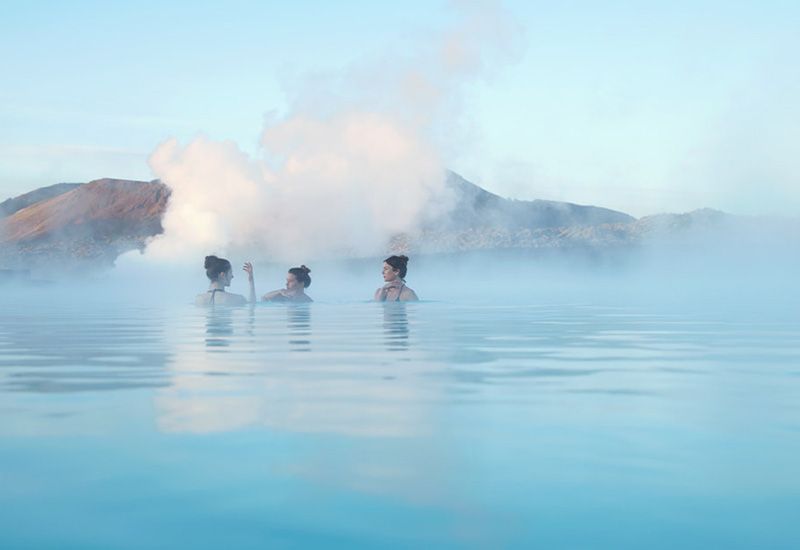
x=358 y=159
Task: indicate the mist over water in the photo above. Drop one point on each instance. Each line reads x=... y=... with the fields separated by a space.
x=527 y=394
x=579 y=397
x=359 y=157
x=689 y=274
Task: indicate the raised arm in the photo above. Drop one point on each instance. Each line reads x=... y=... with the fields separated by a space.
x=248 y=268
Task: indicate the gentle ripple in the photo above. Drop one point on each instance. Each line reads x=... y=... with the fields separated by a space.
x=394 y=425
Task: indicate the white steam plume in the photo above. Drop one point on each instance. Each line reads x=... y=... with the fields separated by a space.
x=356 y=160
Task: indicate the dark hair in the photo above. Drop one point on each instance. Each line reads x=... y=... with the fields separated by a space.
x=301 y=274
x=398 y=263
x=216 y=266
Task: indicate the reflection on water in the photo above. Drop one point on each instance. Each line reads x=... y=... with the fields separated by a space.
x=262 y=381
x=448 y=425
x=77 y=351
x=298 y=322
x=395 y=325
x=219 y=326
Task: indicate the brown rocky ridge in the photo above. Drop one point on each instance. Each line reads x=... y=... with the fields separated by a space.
x=93 y=222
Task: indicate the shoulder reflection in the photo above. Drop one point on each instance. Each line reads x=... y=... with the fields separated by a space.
x=219 y=327
x=395 y=326
x=298 y=323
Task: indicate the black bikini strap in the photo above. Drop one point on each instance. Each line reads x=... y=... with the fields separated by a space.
x=213 y=292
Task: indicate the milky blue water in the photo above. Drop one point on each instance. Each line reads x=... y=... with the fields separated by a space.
x=426 y=425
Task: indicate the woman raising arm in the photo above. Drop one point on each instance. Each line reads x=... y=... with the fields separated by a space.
x=220 y=275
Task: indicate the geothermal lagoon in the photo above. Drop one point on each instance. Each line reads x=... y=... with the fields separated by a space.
x=468 y=422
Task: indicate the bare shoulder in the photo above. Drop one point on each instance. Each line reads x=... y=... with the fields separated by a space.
x=202 y=299
x=408 y=295
x=230 y=299
x=271 y=295
x=239 y=300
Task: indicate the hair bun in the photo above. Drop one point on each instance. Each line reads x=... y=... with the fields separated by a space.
x=403 y=257
x=304 y=268
x=210 y=261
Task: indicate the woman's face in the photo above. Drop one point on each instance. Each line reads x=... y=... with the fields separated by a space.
x=389 y=273
x=292 y=283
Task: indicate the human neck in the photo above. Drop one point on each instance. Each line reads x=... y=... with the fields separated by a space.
x=217 y=285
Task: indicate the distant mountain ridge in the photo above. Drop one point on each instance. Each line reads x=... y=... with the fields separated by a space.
x=92 y=222
x=602 y=236
x=477 y=207
x=10 y=206
x=75 y=224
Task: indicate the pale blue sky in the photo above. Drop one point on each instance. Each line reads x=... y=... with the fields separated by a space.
x=629 y=105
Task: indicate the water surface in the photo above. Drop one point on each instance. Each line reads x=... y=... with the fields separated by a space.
x=436 y=424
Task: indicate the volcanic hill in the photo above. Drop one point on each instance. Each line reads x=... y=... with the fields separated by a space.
x=92 y=222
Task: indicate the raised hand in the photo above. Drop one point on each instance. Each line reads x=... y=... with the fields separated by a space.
x=248 y=268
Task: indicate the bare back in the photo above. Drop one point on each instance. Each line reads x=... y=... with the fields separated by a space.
x=216 y=297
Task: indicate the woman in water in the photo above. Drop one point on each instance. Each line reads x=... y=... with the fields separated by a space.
x=220 y=273
x=395 y=289
x=297 y=280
